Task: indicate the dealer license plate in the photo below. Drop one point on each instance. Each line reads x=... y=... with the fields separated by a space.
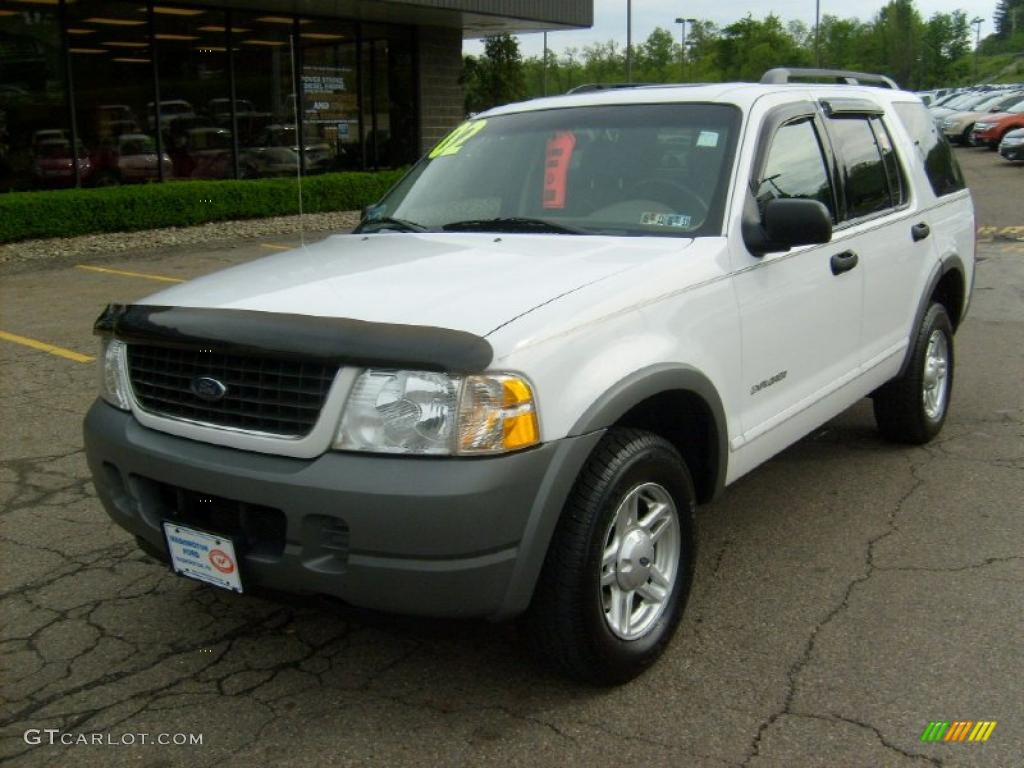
x=203 y=556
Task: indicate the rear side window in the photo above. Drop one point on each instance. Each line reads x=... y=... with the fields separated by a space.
x=940 y=165
x=867 y=185
x=795 y=167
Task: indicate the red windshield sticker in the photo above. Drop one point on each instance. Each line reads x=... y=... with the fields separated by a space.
x=556 y=168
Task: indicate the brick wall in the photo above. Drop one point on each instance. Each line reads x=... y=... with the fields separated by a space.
x=442 y=104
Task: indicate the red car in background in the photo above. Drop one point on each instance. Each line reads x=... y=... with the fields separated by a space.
x=989 y=130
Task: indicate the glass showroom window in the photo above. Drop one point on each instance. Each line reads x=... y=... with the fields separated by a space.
x=112 y=72
x=195 y=100
x=389 y=101
x=265 y=84
x=330 y=96
x=35 y=135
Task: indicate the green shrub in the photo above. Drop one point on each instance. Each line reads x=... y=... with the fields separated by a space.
x=66 y=213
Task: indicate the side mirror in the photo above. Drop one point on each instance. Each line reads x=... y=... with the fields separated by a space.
x=371 y=211
x=787 y=223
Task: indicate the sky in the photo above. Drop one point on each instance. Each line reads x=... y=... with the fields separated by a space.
x=610 y=17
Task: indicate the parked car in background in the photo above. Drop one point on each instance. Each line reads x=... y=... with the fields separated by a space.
x=170 y=110
x=220 y=109
x=1012 y=145
x=990 y=130
x=47 y=135
x=317 y=151
x=203 y=153
x=130 y=158
x=53 y=164
x=964 y=103
x=957 y=127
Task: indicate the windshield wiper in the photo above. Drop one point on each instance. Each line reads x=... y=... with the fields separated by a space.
x=512 y=224
x=388 y=222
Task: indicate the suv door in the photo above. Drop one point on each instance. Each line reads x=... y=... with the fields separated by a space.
x=891 y=240
x=800 y=309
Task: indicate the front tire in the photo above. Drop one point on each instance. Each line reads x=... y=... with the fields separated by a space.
x=620 y=565
x=913 y=408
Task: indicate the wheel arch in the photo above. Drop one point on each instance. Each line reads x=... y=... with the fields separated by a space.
x=629 y=402
x=947 y=286
x=677 y=402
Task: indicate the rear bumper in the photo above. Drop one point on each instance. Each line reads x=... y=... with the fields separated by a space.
x=428 y=536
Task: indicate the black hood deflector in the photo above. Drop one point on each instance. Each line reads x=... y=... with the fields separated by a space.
x=334 y=340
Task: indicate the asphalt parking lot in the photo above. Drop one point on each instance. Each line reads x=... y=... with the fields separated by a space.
x=848 y=592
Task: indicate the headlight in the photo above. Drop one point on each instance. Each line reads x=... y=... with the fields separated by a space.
x=422 y=412
x=114 y=374
x=982 y=126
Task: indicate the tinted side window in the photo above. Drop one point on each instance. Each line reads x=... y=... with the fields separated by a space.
x=867 y=188
x=795 y=167
x=893 y=170
x=940 y=165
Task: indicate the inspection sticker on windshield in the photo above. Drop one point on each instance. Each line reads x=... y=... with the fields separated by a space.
x=707 y=139
x=665 y=220
x=203 y=556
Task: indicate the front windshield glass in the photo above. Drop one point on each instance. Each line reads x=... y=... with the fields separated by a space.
x=637 y=169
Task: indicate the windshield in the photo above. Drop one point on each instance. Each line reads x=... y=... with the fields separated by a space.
x=637 y=169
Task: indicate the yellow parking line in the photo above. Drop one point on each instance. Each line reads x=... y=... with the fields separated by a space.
x=276 y=247
x=123 y=273
x=44 y=347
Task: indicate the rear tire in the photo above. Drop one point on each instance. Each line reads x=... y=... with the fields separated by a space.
x=620 y=565
x=912 y=408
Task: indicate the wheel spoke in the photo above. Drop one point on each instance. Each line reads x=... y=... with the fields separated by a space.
x=657 y=521
x=651 y=593
x=659 y=578
x=621 y=609
x=611 y=554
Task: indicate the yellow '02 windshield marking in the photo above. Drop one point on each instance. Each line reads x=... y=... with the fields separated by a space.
x=454 y=141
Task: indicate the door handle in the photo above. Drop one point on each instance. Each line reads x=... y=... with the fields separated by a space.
x=843 y=262
x=920 y=231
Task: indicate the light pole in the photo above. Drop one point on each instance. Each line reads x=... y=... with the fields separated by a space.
x=544 y=68
x=629 y=41
x=817 y=38
x=682 y=45
x=977 y=21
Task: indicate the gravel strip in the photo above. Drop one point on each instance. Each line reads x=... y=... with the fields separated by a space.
x=115 y=242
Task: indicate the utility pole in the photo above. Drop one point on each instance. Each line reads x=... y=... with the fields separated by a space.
x=544 y=68
x=682 y=45
x=629 y=41
x=977 y=21
x=817 y=35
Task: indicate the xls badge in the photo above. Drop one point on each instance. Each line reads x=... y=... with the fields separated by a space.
x=768 y=382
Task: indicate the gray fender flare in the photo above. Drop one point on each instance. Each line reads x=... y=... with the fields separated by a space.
x=949 y=263
x=575 y=449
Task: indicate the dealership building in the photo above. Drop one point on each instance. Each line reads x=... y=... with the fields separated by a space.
x=96 y=92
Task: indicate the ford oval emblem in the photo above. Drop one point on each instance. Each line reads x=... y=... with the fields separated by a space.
x=208 y=389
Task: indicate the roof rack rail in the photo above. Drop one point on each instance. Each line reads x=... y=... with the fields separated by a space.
x=587 y=87
x=781 y=75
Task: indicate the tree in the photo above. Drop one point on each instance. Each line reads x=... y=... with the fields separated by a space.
x=658 y=57
x=495 y=78
x=749 y=47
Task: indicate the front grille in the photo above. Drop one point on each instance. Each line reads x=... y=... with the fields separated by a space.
x=264 y=394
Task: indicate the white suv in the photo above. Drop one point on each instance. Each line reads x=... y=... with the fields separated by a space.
x=570 y=323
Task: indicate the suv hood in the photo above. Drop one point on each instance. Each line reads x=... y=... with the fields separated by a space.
x=468 y=282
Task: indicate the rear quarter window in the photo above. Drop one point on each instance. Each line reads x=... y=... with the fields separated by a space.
x=943 y=171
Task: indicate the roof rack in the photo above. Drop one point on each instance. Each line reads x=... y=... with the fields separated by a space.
x=781 y=75
x=587 y=87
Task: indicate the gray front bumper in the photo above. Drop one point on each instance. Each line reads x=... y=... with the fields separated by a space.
x=429 y=536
